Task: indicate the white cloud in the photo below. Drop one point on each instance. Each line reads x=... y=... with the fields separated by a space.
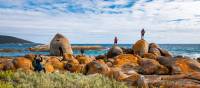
x=165 y=22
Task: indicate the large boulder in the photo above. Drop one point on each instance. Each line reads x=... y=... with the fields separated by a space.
x=141 y=47
x=60 y=45
x=150 y=66
x=55 y=62
x=114 y=51
x=96 y=67
x=23 y=63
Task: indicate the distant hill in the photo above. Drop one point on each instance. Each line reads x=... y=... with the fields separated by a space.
x=10 y=39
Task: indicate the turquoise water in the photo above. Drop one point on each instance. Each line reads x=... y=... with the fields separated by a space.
x=192 y=50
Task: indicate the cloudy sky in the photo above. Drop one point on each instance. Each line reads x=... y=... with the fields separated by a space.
x=98 y=21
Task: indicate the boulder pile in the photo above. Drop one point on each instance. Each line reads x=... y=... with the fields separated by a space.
x=148 y=66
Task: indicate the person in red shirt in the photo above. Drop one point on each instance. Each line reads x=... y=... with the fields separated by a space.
x=142 y=33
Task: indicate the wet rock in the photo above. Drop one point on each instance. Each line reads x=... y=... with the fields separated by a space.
x=141 y=47
x=114 y=51
x=150 y=66
x=60 y=45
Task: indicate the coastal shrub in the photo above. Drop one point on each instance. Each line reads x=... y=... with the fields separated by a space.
x=4 y=84
x=64 y=80
x=6 y=74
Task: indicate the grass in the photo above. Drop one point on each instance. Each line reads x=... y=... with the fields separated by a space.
x=56 y=80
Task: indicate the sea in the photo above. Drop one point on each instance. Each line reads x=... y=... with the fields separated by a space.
x=191 y=50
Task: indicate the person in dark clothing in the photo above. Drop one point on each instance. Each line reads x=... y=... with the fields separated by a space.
x=82 y=51
x=142 y=33
x=37 y=63
x=115 y=40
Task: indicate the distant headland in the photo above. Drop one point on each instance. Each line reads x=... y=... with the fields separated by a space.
x=10 y=39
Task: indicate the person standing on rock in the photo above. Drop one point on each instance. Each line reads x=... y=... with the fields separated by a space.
x=142 y=33
x=115 y=40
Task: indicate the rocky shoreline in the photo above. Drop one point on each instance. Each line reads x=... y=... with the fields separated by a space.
x=145 y=65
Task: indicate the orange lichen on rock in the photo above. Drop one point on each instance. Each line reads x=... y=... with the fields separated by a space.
x=23 y=63
x=30 y=56
x=125 y=59
x=187 y=66
x=83 y=59
x=141 y=47
x=49 y=68
x=150 y=66
x=56 y=63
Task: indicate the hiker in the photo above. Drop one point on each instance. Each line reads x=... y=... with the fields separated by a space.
x=142 y=33
x=115 y=40
x=82 y=51
x=37 y=63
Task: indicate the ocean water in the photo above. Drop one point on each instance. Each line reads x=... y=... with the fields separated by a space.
x=191 y=50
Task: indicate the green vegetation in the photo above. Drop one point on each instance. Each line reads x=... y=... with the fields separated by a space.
x=56 y=80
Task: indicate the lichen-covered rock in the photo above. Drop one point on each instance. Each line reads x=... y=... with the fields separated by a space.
x=124 y=59
x=150 y=56
x=180 y=65
x=30 y=56
x=187 y=65
x=83 y=59
x=56 y=63
x=114 y=51
x=150 y=66
x=23 y=63
x=60 y=45
x=49 y=68
x=96 y=67
x=141 y=47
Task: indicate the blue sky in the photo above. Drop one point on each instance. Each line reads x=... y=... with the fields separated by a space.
x=98 y=21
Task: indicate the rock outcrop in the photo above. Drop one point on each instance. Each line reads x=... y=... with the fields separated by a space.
x=114 y=51
x=150 y=66
x=60 y=45
x=180 y=65
x=141 y=47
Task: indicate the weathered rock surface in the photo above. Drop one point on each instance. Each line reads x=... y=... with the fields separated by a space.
x=124 y=59
x=114 y=51
x=60 y=45
x=180 y=65
x=150 y=66
x=84 y=59
x=23 y=63
x=141 y=47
